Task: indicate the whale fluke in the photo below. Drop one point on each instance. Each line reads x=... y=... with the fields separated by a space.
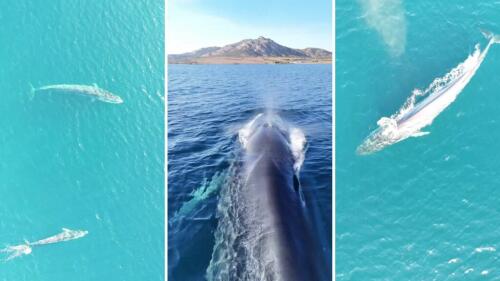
x=32 y=92
x=490 y=35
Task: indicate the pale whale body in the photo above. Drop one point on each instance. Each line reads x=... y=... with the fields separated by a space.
x=411 y=118
x=263 y=232
x=26 y=248
x=92 y=91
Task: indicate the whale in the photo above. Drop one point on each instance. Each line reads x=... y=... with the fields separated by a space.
x=92 y=91
x=27 y=247
x=65 y=235
x=264 y=232
x=412 y=118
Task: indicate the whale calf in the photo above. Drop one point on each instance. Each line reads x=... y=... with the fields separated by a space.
x=263 y=231
x=92 y=91
x=411 y=118
x=26 y=248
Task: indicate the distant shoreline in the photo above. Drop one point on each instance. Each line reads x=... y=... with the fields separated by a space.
x=252 y=60
x=253 y=51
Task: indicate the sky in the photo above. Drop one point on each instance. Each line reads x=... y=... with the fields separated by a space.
x=194 y=24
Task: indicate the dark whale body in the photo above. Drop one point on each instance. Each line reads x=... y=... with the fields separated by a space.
x=275 y=215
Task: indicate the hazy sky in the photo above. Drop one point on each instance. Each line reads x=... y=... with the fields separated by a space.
x=193 y=24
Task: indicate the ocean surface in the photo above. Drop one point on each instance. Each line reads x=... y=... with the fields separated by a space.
x=68 y=161
x=426 y=208
x=207 y=106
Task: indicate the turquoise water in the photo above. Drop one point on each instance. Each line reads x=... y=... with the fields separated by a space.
x=208 y=105
x=425 y=208
x=68 y=161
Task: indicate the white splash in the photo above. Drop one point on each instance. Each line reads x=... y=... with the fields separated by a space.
x=26 y=248
x=412 y=116
x=387 y=17
x=298 y=146
x=469 y=270
x=16 y=251
x=484 y=249
x=247 y=130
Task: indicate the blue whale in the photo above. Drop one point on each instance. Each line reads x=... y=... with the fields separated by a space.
x=274 y=240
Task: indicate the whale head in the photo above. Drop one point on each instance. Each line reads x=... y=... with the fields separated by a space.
x=268 y=135
x=109 y=97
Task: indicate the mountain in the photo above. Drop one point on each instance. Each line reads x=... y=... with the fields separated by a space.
x=260 y=50
x=316 y=53
x=198 y=53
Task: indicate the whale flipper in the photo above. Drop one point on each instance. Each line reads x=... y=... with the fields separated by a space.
x=419 y=134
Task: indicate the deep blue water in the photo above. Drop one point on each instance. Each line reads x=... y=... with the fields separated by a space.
x=208 y=104
x=68 y=161
x=426 y=208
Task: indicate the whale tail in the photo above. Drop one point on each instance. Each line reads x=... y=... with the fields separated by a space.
x=491 y=36
x=32 y=92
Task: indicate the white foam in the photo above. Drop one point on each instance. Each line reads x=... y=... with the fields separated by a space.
x=229 y=227
x=485 y=249
x=455 y=260
x=247 y=130
x=297 y=145
x=16 y=251
x=469 y=270
x=432 y=252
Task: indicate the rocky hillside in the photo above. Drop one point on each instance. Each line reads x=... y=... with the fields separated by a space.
x=251 y=48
